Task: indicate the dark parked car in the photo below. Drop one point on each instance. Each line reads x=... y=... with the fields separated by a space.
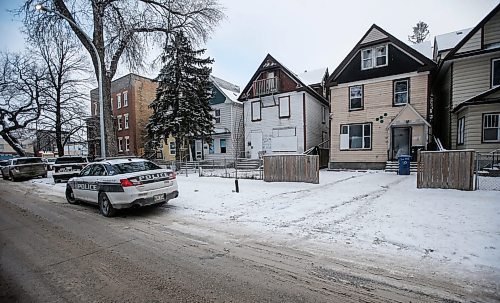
x=67 y=167
x=24 y=168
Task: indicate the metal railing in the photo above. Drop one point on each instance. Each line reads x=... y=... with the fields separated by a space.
x=488 y=170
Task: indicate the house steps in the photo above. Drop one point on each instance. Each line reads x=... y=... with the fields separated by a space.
x=393 y=166
x=248 y=164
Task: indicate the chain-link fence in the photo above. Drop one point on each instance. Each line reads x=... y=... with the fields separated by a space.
x=240 y=168
x=488 y=171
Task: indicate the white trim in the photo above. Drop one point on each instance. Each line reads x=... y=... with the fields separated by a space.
x=381 y=79
x=408 y=105
x=374 y=56
x=343 y=142
x=125 y=98
x=127 y=143
x=125 y=121
x=483 y=127
x=118 y=101
x=119 y=121
x=120 y=149
x=461 y=130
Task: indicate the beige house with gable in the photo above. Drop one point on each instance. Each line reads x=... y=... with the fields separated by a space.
x=379 y=102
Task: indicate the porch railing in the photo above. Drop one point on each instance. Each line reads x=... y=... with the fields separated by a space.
x=265 y=86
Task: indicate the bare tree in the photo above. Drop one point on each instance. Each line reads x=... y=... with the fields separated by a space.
x=420 y=32
x=123 y=30
x=21 y=100
x=66 y=91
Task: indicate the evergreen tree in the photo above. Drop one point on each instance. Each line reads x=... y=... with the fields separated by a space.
x=181 y=107
x=420 y=32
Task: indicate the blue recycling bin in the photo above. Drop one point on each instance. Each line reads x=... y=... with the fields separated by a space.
x=404 y=165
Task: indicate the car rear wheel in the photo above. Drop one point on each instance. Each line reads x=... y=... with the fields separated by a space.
x=12 y=177
x=105 y=206
x=5 y=177
x=70 y=196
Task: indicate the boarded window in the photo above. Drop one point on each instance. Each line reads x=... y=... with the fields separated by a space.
x=284 y=107
x=256 y=111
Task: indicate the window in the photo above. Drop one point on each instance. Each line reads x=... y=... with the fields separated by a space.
x=96 y=107
x=171 y=147
x=125 y=98
x=495 y=72
x=86 y=171
x=125 y=118
x=222 y=144
x=356 y=97
x=111 y=103
x=119 y=122
x=127 y=143
x=491 y=128
x=217 y=116
x=120 y=141
x=374 y=57
x=97 y=170
x=284 y=107
x=323 y=115
x=118 y=101
x=460 y=130
x=256 y=111
x=211 y=147
x=401 y=92
x=355 y=136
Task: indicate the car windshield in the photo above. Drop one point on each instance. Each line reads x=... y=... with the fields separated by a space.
x=64 y=160
x=133 y=167
x=29 y=161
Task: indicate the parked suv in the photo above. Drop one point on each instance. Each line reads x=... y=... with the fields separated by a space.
x=122 y=183
x=68 y=166
x=24 y=168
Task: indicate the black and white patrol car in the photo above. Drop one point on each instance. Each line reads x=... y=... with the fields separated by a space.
x=122 y=183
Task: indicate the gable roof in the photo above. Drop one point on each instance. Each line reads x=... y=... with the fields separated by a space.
x=480 y=99
x=425 y=48
x=449 y=40
x=229 y=90
x=472 y=32
x=315 y=76
x=388 y=38
x=270 y=62
x=413 y=111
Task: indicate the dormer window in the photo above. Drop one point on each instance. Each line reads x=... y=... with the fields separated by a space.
x=374 y=57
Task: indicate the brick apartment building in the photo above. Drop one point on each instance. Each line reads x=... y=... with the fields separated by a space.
x=130 y=97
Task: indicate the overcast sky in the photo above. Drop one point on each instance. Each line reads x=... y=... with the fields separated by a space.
x=302 y=34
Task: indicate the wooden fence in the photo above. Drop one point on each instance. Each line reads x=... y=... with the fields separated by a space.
x=453 y=169
x=291 y=168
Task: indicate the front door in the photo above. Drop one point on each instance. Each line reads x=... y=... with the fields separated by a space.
x=401 y=144
x=255 y=145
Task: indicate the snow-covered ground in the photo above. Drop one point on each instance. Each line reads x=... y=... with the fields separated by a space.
x=373 y=214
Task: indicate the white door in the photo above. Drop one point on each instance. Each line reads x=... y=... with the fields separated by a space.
x=256 y=145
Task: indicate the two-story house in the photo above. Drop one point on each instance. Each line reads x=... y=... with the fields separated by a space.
x=282 y=114
x=379 y=96
x=227 y=141
x=130 y=99
x=467 y=88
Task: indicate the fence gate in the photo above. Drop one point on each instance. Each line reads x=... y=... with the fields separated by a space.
x=488 y=171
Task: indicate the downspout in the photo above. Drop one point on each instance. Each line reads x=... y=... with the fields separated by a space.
x=304 y=118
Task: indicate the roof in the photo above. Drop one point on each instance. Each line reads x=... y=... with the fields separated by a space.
x=479 y=99
x=121 y=160
x=425 y=48
x=412 y=52
x=230 y=90
x=473 y=32
x=449 y=40
x=314 y=76
x=290 y=73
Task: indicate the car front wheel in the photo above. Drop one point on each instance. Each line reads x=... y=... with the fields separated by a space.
x=105 y=206
x=11 y=175
x=70 y=196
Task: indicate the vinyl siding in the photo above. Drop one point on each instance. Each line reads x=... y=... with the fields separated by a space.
x=473 y=128
x=270 y=120
x=314 y=126
x=471 y=76
x=474 y=43
x=492 y=30
x=377 y=101
x=374 y=35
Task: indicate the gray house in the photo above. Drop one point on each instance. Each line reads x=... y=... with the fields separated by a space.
x=227 y=139
x=467 y=86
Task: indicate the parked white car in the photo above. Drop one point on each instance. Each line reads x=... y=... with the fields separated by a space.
x=67 y=167
x=122 y=183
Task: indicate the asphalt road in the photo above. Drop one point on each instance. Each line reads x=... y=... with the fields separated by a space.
x=51 y=251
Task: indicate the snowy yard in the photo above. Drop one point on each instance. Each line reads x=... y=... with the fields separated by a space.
x=371 y=215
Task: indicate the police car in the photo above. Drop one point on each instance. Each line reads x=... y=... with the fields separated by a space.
x=122 y=183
